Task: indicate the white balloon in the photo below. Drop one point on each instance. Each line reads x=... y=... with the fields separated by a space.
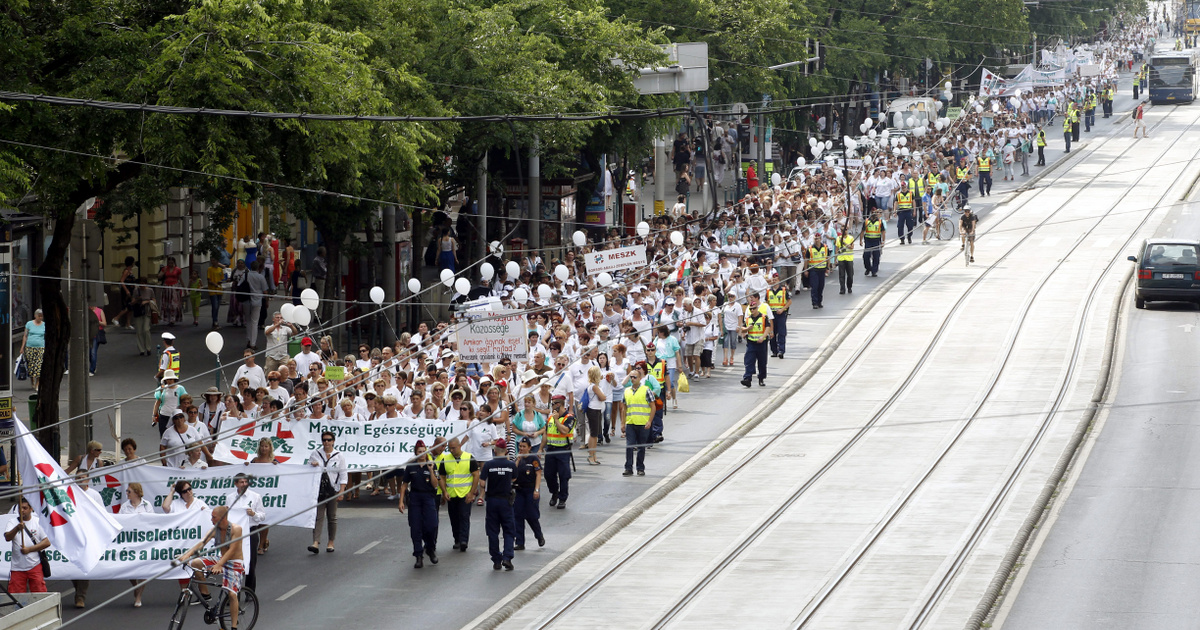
x=885 y=134
x=904 y=151
x=903 y=140
x=938 y=124
x=285 y=311
x=978 y=108
x=882 y=117
x=871 y=134
x=520 y=295
x=462 y=285
x=544 y=291
x=911 y=122
x=215 y=342
x=812 y=142
x=495 y=247
x=562 y=273
x=995 y=107
x=447 y=278
x=487 y=271
x=677 y=236
x=943 y=141
x=512 y=269
x=604 y=278
x=598 y=301
x=828 y=144
x=1018 y=92
x=414 y=285
x=868 y=122
x=948 y=94
x=310 y=299
x=377 y=295
x=643 y=229
x=949 y=86
x=851 y=143
x=579 y=238
x=775 y=179
x=301 y=316
x=800 y=161
x=938 y=105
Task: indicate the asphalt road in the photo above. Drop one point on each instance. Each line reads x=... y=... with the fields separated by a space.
x=370 y=579
x=1121 y=550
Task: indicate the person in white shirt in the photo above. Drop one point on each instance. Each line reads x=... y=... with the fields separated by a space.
x=195 y=458
x=333 y=488
x=306 y=357
x=27 y=540
x=246 y=511
x=757 y=283
x=277 y=334
x=135 y=503
x=248 y=369
x=175 y=440
x=275 y=390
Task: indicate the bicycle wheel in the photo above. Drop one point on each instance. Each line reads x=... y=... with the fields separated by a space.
x=181 y=608
x=247 y=610
x=945 y=229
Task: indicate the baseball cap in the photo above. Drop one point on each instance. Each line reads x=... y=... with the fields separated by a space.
x=307 y=341
x=501 y=443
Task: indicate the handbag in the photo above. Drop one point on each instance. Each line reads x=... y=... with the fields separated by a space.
x=41 y=554
x=586 y=400
x=101 y=336
x=22 y=370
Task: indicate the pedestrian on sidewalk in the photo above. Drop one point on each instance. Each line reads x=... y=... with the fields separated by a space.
x=1139 y=121
x=874 y=235
x=128 y=277
x=845 y=261
x=142 y=307
x=33 y=347
x=170 y=277
x=496 y=483
x=241 y=294
x=780 y=302
x=194 y=295
x=97 y=322
x=216 y=275
x=560 y=433
x=1041 y=147
x=258 y=290
x=1067 y=133
x=640 y=399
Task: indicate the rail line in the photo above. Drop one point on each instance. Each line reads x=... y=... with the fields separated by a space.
x=582 y=593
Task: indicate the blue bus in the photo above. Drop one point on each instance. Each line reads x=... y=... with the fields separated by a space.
x=1173 y=77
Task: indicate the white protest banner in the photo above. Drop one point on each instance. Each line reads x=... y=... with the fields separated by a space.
x=146 y=545
x=494 y=336
x=364 y=445
x=288 y=490
x=611 y=260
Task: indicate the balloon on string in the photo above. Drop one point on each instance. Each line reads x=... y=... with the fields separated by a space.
x=896 y=152
x=520 y=295
x=812 y=142
x=562 y=273
x=882 y=117
x=285 y=311
x=677 y=236
x=995 y=107
x=775 y=179
x=911 y=122
x=414 y=285
x=604 y=279
x=904 y=151
x=938 y=124
x=885 y=134
x=949 y=86
x=301 y=316
x=487 y=271
x=978 y=108
x=903 y=141
x=512 y=269
x=851 y=143
x=463 y=286
x=871 y=134
x=376 y=294
x=447 y=278
x=598 y=301
x=800 y=161
x=215 y=342
x=828 y=144
x=938 y=105
x=310 y=299
x=643 y=229
x=579 y=238
x=948 y=94
x=544 y=291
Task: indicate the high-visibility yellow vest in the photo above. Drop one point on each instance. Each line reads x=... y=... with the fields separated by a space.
x=1041 y=139
x=932 y=180
x=1108 y=94
x=458 y=474
x=874 y=229
x=904 y=200
x=918 y=185
x=963 y=173
x=756 y=323
x=818 y=256
x=554 y=437
x=638 y=408
x=658 y=371
x=1075 y=116
x=777 y=299
x=1091 y=101
x=985 y=164
x=174 y=354
x=845 y=248
x=1067 y=124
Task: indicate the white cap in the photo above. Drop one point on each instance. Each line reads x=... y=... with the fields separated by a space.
x=168 y=336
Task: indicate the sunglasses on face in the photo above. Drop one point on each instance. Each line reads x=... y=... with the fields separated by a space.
x=326 y=439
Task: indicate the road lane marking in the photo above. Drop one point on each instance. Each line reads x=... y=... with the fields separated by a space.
x=369 y=547
x=290 y=593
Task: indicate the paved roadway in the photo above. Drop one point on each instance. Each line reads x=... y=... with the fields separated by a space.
x=1120 y=550
x=370 y=578
x=836 y=525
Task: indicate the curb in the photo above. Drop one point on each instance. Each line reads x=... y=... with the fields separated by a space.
x=552 y=572
x=992 y=594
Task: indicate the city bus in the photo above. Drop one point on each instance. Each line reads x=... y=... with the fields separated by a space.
x=1173 y=77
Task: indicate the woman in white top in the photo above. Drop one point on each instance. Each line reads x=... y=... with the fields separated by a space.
x=608 y=381
x=135 y=504
x=88 y=462
x=318 y=409
x=212 y=410
x=333 y=467
x=619 y=366
x=183 y=489
x=595 y=410
x=346 y=410
x=195 y=459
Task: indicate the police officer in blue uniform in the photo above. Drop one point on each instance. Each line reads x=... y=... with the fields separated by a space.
x=526 y=508
x=418 y=488
x=496 y=478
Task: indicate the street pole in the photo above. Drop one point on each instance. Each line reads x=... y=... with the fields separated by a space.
x=77 y=384
x=389 y=272
x=661 y=170
x=481 y=199
x=535 y=195
x=762 y=148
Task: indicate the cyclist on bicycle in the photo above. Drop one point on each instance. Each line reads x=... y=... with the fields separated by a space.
x=226 y=557
x=966 y=224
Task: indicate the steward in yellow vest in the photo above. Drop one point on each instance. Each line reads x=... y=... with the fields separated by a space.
x=560 y=432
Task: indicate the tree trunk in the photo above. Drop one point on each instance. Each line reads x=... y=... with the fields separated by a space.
x=58 y=331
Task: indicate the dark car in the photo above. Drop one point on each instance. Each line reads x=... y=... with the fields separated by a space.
x=1168 y=271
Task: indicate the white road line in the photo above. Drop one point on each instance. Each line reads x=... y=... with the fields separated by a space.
x=290 y=593
x=369 y=547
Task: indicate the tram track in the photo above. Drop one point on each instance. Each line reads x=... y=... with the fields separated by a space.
x=748 y=541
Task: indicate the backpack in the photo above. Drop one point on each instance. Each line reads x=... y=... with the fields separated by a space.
x=682 y=186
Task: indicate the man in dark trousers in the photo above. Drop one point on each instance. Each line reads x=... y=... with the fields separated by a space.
x=873 y=236
x=496 y=479
x=459 y=474
x=419 y=484
x=560 y=432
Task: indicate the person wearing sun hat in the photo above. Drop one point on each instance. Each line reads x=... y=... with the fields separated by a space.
x=166 y=401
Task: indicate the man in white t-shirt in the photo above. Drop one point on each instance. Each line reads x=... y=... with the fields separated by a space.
x=277 y=333
x=306 y=357
x=248 y=369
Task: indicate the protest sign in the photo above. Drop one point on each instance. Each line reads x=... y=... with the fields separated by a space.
x=286 y=489
x=364 y=445
x=494 y=336
x=335 y=372
x=145 y=546
x=611 y=260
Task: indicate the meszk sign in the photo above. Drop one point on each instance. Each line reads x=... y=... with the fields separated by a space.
x=611 y=260
x=377 y=444
x=495 y=335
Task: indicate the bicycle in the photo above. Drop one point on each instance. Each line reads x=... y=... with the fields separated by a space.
x=218 y=611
